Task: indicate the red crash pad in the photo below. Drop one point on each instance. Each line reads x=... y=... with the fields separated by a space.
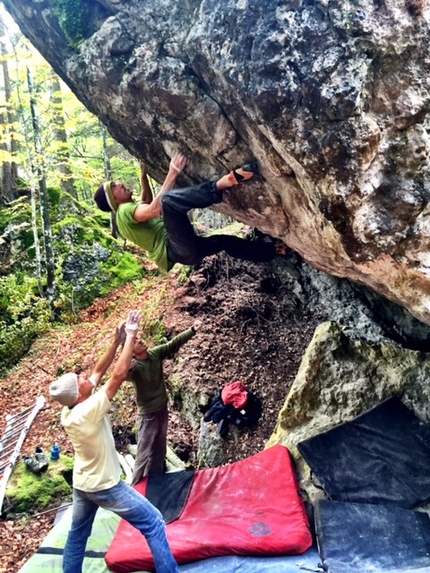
x=251 y=507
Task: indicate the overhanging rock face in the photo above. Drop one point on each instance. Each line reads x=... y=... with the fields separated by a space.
x=331 y=96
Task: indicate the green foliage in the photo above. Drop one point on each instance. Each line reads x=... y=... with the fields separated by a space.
x=15 y=224
x=28 y=492
x=122 y=269
x=21 y=185
x=89 y=264
x=23 y=315
x=102 y=219
x=54 y=197
x=126 y=171
x=184 y=273
x=72 y=16
x=156 y=331
x=90 y=278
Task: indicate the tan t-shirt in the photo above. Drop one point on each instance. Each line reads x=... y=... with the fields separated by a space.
x=88 y=426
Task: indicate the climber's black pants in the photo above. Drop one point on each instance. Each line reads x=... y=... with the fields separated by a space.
x=185 y=246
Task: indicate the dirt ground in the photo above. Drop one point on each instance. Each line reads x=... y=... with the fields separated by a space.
x=251 y=331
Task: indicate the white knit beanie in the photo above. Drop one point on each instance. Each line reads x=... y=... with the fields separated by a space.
x=65 y=389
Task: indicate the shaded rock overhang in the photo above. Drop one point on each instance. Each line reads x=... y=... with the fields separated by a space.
x=330 y=96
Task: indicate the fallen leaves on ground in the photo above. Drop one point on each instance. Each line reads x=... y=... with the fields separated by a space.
x=251 y=332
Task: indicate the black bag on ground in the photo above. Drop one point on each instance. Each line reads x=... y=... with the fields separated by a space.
x=223 y=415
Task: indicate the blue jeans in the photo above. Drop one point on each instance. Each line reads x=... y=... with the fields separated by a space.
x=131 y=506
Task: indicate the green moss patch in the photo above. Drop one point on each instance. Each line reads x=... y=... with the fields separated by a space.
x=27 y=492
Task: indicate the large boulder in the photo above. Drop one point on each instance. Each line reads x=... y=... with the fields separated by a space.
x=332 y=98
x=339 y=379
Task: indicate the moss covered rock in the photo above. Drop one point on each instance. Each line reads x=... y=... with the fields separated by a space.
x=27 y=492
x=89 y=263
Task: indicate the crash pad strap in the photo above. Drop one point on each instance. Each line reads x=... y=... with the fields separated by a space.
x=60 y=551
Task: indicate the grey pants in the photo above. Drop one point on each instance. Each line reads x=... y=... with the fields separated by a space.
x=151 y=444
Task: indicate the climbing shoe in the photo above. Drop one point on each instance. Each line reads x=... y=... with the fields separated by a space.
x=280 y=247
x=37 y=463
x=41 y=458
x=243 y=173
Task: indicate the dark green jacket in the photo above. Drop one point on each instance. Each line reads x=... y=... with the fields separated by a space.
x=147 y=375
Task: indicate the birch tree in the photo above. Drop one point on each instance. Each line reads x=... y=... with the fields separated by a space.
x=43 y=193
x=8 y=142
x=108 y=176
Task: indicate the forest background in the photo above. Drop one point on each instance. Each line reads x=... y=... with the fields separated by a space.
x=57 y=252
x=63 y=290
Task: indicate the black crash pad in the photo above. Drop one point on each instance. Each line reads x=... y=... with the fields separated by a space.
x=169 y=492
x=366 y=538
x=382 y=456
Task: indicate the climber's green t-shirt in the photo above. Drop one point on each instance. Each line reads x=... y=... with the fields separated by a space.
x=150 y=235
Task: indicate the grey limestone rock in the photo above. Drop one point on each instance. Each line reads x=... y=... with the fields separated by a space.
x=331 y=97
x=339 y=379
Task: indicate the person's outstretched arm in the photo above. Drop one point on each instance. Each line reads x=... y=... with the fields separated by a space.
x=169 y=348
x=105 y=360
x=146 y=191
x=122 y=365
x=144 y=212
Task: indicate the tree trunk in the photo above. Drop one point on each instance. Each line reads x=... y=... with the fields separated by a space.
x=44 y=204
x=5 y=192
x=9 y=170
x=38 y=255
x=60 y=136
x=108 y=175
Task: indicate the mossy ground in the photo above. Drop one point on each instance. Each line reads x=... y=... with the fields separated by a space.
x=27 y=492
x=89 y=263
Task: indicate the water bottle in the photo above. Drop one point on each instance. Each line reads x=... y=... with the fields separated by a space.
x=55 y=453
